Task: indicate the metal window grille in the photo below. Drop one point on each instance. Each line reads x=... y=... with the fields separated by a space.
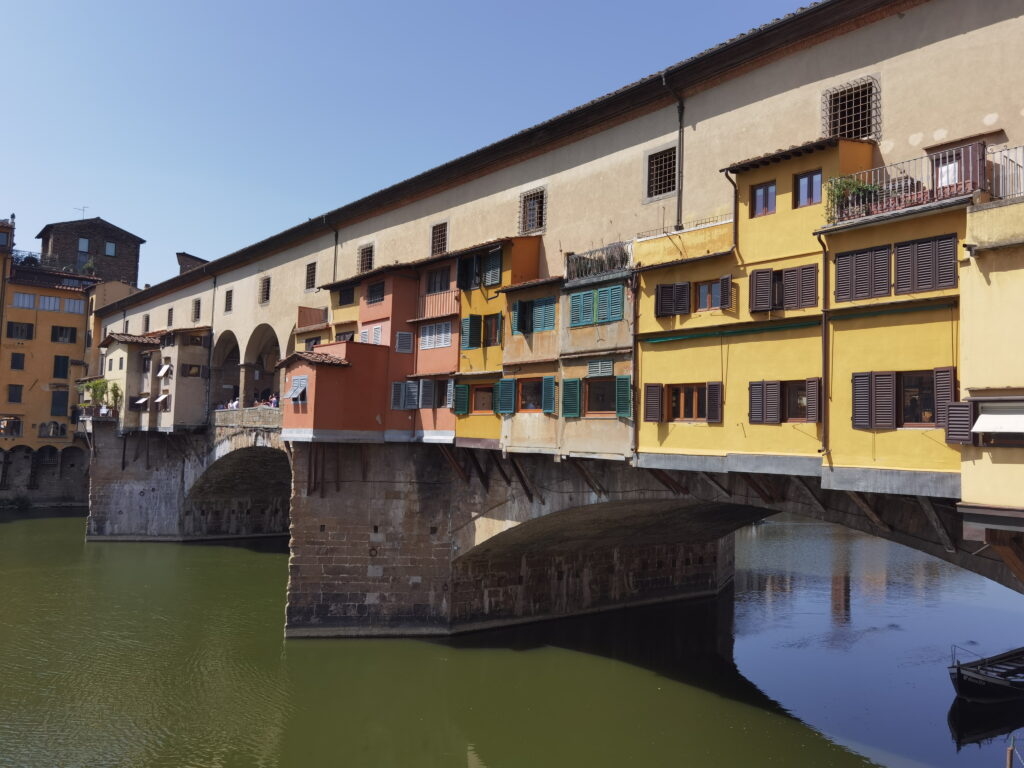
x=661 y=172
x=375 y=293
x=439 y=239
x=532 y=211
x=229 y=297
x=170 y=317
x=196 y=309
x=264 y=289
x=311 y=276
x=346 y=295
x=366 y=258
x=853 y=110
x=145 y=323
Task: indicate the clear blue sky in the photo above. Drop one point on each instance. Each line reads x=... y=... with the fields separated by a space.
x=205 y=126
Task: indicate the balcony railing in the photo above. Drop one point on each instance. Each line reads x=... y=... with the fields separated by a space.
x=1007 y=168
x=611 y=258
x=439 y=304
x=937 y=176
x=97 y=412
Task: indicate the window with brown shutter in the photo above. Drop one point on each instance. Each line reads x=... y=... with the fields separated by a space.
x=653 y=410
x=880 y=266
x=862 y=274
x=883 y=400
x=809 y=285
x=756 y=403
x=926 y=265
x=714 y=402
x=761 y=290
x=813 y=398
x=959 y=421
x=861 y=415
x=791 y=288
x=725 y=291
x=672 y=299
x=773 y=402
x=944 y=384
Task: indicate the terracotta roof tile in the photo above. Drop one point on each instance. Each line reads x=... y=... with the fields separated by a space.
x=316 y=358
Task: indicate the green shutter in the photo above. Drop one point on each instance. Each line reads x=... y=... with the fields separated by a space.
x=515 y=319
x=571 y=398
x=615 y=295
x=464 y=342
x=624 y=397
x=549 y=313
x=575 y=310
x=461 y=399
x=505 y=396
x=547 y=394
x=587 y=311
x=603 y=304
x=492 y=267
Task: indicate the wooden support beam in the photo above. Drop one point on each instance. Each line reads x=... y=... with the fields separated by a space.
x=337 y=467
x=710 y=480
x=668 y=481
x=933 y=518
x=323 y=473
x=588 y=478
x=456 y=467
x=496 y=463
x=760 y=488
x=864 y=507
x=479 y=468
x=807 y=489
x=531 y=490
x=363 y=462
x=124 y=449
x=1010 y=547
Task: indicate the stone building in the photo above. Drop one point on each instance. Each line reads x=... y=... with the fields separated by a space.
x=94 y=246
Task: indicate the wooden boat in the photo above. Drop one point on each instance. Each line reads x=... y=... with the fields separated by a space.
x=974 y=723
x=996 y=678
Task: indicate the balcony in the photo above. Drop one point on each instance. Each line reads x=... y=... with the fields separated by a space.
x=616 y=257
x=311 y=318
x=934 y=178
x=440 y=304
x=1007 y=169
x=97 y=412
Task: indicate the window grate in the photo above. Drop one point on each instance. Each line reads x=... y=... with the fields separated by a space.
x=196 y=309
x=853 y=110
x=661 y=172
x=439 y=239
x=366 y=258
x=229 y=297
x=311 y=276
x=264 y=290
x=170 y=317
x=532 y=211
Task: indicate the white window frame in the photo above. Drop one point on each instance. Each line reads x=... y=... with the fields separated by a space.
x=24 y=300
x=49 y=303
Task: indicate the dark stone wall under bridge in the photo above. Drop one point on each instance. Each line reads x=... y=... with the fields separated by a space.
x=401 y=539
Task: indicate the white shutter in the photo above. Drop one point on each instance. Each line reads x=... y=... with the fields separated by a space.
x=403 y=342
x=427 y=393
x=376 y=334
x=396 y=395
x=599 y=368
x=451 y=394
x=412 y=396
x=364 y=336
x=444 y=334
x=426 y=336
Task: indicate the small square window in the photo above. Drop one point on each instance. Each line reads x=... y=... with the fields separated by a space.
x=762 y=199
x=687 y=402
x=917 y=399
x=532 y=211
x=109 y=249
x=709 y=295
x=83 y=245
x=17 y=361
x=530 y=394
x=807 y=189
x=483 y=399
x=438 y=280
x=853 y=110
x=366 y=258
x=439 y=239
x=794 y=400
x=661 y=172
x=375 y=293
x=346 y=295
x=600 y=397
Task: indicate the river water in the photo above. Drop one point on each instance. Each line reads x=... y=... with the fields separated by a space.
x=830 y=651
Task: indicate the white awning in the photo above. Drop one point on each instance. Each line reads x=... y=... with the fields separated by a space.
x=163 y=370
x=142 y=400
x=1000 y=417
x=296 y=392
x=161 y=398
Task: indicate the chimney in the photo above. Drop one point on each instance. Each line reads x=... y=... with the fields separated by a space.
x=188 y=262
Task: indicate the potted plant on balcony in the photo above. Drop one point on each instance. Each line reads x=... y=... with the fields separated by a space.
x=849 y=198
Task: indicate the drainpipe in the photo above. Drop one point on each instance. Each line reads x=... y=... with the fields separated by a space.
x=634 y=285
x=680 y=108
x=823 y=396
x=735 y=208
x=334 y=270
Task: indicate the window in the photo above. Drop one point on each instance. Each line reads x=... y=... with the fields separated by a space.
x=480 y=268
x=344 y=335
x=229 y=300
x=198 y=340
x=600 y=397
x=472 y=332
x=405 y=395
x=807 y=189
x=311 y=276
x=164 y=401
x=436 y=335
x=14 y=393
x=74 y=306
x=61 y=364
x=794 y=400
x=683 y=402
x=10 y=426
x=709 y=295
x=346 y=295
x=120 y=363
x=192 y=371
x=310 y=343
x=762 y=199
x=531 y=393
x=264 y=294
x=793 y=288
x=439 y=239
x=438 y=280
x=365 y=258
x=603 y=305
x=24 y=300
x=49 y=303
x=863 y=274
x=443 y=393
x=492 y=330
x=170 y=317
x=852 y=110
x=110 y=364
x=998 y=424
x=661 y=172
x=4 y=239
x=59 y=403
x=371 y=334
x=926 y=265
x=147 y=363
x=532 y=211
x=196 y=309
x=63 y=334
x=403 y=342
x=145 y=323
x=687 y=402
x=17 y=361
x=773 y=402
x=482 y=399
x=375 y=293
x=83 y=245
x=109 y=249
x=534 y=316
x=885 y=400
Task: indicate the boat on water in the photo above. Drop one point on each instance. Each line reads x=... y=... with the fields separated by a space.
x=974 y=723
x=992 y=679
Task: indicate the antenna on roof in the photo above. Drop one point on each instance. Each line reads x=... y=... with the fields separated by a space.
x=82 y=209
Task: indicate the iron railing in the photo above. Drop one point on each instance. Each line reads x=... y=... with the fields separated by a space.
x=937 y=176
x=611 y=258
x=439 y=304
x=1007 y=169
x=706 y=221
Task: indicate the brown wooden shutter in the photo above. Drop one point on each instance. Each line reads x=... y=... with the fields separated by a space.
x=945 y=261
x=880 y=271
x=725 y=290
x=773 y=402
x=944 y=380
x=809 y=285
x=714 y=401
x=844 y=277
x=761 y=290
x=756 y=408
x=924 y=265
x=664 y=299
x=959 y=420
x=682 y=298
x=861 y=415
x=813 y=389
x=904 y=267
x=790 y=288
x=861 y=275
x=653 y=410
x=883 y=400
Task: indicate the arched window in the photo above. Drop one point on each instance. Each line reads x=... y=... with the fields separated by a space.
x=47 y=456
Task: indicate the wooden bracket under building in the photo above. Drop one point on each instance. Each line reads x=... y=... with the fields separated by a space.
x=759 y=487
x=588 y=478
x=1010 y=547
x=933 y=518
x=807 y=489
x=864 y=507
x=364 y=462
x=710 y=480
x=668 y=481
x=479 y=468
x=454 y=462
x=495 y=462
x=530 y=490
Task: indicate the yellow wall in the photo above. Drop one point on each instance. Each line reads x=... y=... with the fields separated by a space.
x=483 y=301
x=683 y=245
x=478 y=426
x=348 y=313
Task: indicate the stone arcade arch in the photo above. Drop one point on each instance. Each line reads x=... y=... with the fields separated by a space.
x=258 y=377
